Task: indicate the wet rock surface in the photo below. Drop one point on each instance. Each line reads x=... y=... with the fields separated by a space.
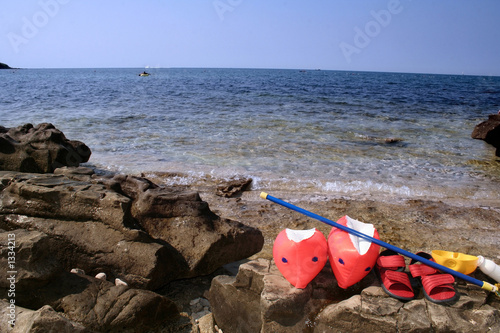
x=233 y=188
x=489 y=131
x=414 y=225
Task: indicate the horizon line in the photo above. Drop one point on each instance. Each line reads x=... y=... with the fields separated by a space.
x=261 y=68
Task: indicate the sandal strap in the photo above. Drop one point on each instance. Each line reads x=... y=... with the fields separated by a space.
x=422 y=270
x=397 y=277
x=391 y=262
x=439 y=280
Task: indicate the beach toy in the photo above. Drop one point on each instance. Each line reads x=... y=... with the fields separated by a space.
x=489 y=268
x=352 y=257
x=483 y=284
x=457 y=261
x=300 y=255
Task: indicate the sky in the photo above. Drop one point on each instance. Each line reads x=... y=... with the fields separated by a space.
x=419 y=36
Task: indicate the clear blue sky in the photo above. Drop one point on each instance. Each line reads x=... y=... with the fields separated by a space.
x=421 y=36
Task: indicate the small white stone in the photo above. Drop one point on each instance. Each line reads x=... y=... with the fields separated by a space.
x=101 y=276
x=119 y=282
x=78 y=271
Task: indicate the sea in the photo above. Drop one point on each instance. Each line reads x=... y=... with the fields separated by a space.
x=368 y=135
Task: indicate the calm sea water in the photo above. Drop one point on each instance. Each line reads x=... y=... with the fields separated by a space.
x=307 y=131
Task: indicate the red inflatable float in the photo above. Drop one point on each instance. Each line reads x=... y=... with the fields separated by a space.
x=300 y=255
x=351 y=257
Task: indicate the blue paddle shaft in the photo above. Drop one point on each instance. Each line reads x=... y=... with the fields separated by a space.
x=375 y=240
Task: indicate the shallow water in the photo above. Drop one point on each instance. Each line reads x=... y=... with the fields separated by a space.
x=312 y=131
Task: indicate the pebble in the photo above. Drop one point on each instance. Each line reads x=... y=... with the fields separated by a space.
x=199 y=305
x=78 y=271
x=101 y=276
x=204 y=302
x=119 y=282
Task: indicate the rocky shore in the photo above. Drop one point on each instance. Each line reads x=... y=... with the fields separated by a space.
x=4 y=66
x=199 y=258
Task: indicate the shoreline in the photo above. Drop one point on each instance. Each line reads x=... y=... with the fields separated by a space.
x=202 y=178
x=414 y=224
x=308 y=188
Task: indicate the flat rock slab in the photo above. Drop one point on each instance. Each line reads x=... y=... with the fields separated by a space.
x=124 y=226
x=259 y=299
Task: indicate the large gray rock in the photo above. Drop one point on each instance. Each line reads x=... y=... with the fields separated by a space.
x=41 y=148
x=489 y=131
x=259 y=299
x=184 y=221
x=124 y=226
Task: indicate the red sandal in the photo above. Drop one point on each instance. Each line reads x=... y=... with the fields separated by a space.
x=395 y=282
x=438 y=287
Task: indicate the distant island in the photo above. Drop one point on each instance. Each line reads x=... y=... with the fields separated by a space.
x=4 y=66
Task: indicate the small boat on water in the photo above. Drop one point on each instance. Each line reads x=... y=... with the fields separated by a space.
x=144 y=74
